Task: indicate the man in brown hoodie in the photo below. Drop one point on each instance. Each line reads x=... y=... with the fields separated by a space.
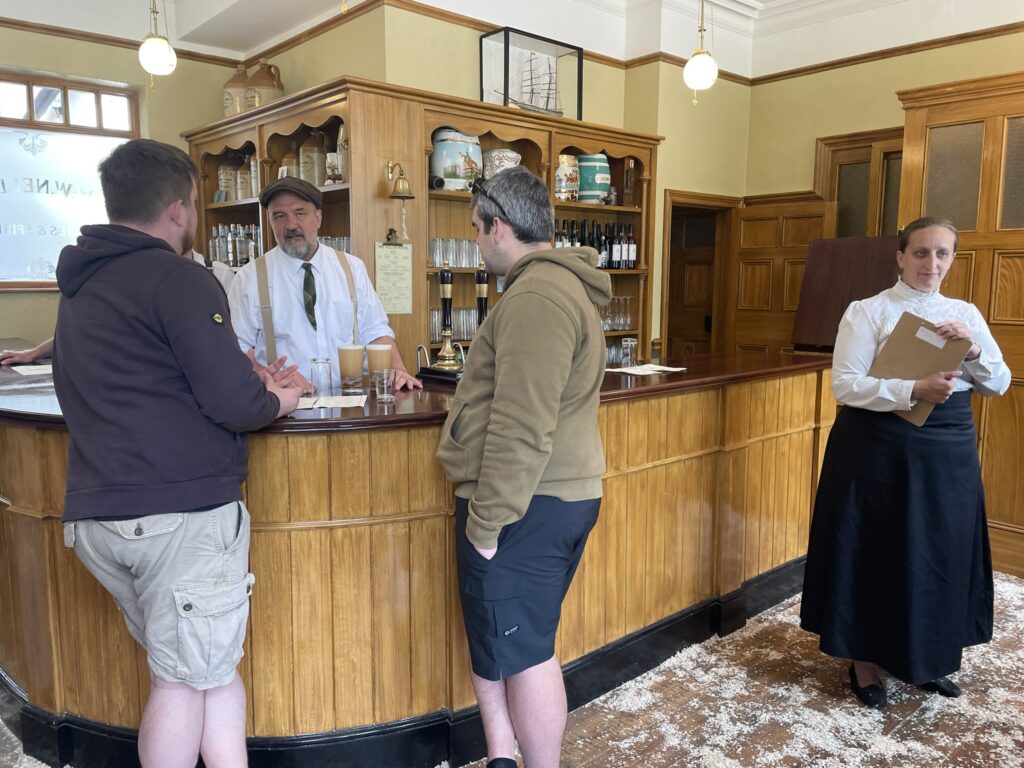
x=522 y=446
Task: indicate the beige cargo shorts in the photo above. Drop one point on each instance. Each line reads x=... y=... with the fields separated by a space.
x=182 y=583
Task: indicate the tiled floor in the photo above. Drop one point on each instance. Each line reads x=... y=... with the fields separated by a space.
x=765 y=696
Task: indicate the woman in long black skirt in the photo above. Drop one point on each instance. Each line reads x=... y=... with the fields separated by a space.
x=899 y=574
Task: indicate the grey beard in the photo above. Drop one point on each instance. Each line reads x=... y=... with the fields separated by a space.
x=302 y=252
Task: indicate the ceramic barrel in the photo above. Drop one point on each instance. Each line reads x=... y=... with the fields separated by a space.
x=595 y=178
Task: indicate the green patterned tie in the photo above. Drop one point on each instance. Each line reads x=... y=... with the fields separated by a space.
x=309 y=293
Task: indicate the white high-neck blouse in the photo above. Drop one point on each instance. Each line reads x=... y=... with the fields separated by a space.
x=866 y=326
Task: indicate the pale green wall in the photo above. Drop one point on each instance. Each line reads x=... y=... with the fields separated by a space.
x=355 y=48
x=431 y=55
x=787 y=117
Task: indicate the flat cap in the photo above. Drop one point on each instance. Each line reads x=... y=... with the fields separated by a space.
x=297 y=187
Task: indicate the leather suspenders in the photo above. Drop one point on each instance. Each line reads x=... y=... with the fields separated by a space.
x=267 y=312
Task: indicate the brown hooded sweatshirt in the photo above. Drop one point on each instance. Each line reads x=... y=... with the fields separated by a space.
x=524 y=418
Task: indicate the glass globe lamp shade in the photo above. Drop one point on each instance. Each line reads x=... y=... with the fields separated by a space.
x=700 y=71
x=157 y=56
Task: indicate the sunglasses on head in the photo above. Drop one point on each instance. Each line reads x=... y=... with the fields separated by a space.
x=478 y=188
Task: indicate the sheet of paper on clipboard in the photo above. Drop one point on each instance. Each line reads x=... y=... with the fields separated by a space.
x=914 y=351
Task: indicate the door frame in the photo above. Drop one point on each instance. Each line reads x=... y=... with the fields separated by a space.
x=723 y=205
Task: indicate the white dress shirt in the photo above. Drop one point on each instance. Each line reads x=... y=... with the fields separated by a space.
x=867 y=325
x=293 y=333
x=224 y=274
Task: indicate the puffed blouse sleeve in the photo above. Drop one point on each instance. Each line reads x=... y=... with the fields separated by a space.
x=857 y=345
x=988 y=373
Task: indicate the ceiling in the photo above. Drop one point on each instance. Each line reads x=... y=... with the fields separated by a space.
x=748 y=37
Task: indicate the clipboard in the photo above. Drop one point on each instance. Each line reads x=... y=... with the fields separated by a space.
x=914 y=351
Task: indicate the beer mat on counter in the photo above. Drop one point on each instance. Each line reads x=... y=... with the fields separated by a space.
x=645 y=370
x=33 y=370
x=338 y=401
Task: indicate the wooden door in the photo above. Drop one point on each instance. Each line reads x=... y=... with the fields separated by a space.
x=766 y=267
x=691 y=282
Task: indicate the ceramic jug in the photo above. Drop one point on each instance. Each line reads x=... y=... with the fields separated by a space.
x=264 y=85
x=234 y=92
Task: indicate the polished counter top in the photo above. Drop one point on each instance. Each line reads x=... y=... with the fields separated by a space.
x=31 y=399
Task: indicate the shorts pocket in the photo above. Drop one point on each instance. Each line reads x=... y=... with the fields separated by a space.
x=211 y=627
x=145 y=527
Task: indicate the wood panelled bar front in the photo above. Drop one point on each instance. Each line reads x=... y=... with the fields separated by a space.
x=355 y=632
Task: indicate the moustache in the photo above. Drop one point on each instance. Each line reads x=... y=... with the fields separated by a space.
x=294 y=233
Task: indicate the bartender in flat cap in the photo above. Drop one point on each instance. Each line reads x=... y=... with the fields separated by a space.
x=305 y=298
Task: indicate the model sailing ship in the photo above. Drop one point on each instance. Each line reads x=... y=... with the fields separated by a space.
x=539 y=91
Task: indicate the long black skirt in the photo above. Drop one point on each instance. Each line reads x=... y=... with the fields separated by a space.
x=899 y=570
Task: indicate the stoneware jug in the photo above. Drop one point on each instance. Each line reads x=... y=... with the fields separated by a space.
x=264 y=85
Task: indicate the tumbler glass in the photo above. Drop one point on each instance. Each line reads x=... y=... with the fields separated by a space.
x=320 y=376
x=384 y=385
x=628 y=353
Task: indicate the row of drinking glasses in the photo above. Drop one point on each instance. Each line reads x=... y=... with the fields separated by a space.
x=463 y=324
x=621 y=354
x=340 y=244
x=460 y=253
x=616 y=315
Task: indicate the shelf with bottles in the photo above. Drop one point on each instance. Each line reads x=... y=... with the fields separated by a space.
x=617 y=246
x=234 y=244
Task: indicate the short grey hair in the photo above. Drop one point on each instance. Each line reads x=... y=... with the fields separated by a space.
x=526 y=201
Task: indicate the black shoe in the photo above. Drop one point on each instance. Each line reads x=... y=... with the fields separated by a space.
x=502 y=762
x=870 y=695
x=942 y=686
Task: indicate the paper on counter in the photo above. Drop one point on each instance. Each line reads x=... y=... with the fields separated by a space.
x=645 y=370
x=340 y=401
x=33 y=370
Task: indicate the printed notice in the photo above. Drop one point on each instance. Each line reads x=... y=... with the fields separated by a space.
x=394 y=277
x=645 y=370
x=927 y=334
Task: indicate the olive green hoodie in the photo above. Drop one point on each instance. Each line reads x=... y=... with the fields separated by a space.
x=524 y=418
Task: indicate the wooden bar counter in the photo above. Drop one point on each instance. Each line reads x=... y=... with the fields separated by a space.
x=355 y=632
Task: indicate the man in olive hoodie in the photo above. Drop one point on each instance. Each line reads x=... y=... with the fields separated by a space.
x=522 y=446
x=157 y=398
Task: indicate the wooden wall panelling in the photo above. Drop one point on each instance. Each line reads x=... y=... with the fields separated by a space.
x=267 y=488
x=1008 y=288
x=616 y=526
x=392 y=626
x=793 y=277
x=389 y=481
x=309 y=485
x=352 y=618
x=429 y=489
x=271 y=612
x=312 y=628
x=959 y=281
x=429 y=562
x=349 y=474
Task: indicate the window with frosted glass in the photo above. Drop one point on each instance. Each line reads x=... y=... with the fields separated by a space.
x=82 y=108
x=48 y=103
x=892 y=167
x=116 y=114
x=49 y=188
x=14 y=101
x=1011 y=214
x=852 y=199
x=953 y=167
